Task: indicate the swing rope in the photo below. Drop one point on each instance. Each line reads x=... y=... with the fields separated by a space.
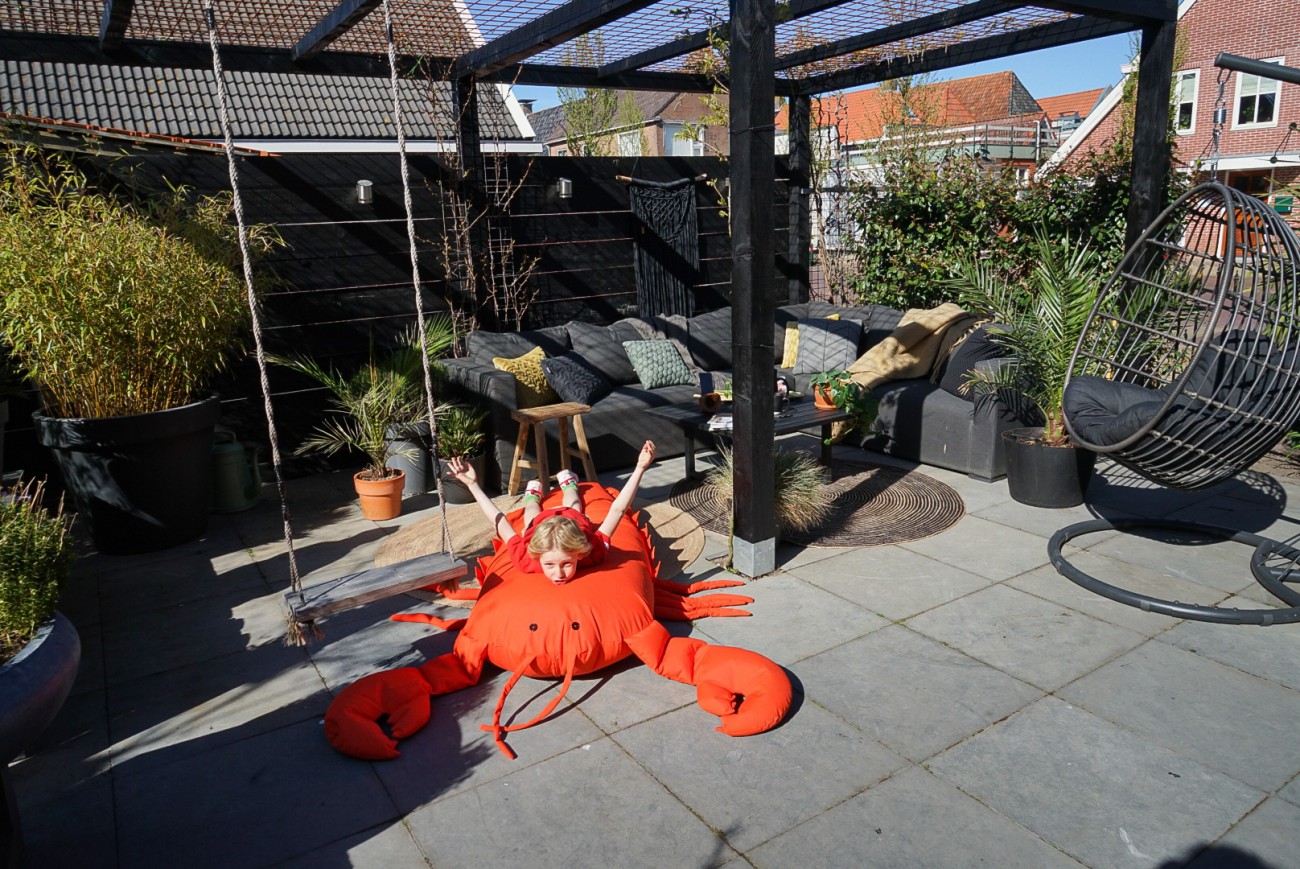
x=295 y=631
x=430 y=403
x=299 y=631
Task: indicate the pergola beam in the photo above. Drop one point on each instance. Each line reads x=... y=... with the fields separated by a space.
x=571 y=20
x=340 y=20
x=894 y=33
x=113 y=23
x=1138 y=12
x=1050 y=35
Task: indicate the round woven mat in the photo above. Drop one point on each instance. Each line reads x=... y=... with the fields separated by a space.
x=873 y=505
x=677 y=537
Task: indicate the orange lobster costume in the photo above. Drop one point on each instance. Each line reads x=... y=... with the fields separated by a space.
x=525 y=624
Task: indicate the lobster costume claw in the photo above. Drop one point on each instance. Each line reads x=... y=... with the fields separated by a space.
x=352 y=722
x=749 y=692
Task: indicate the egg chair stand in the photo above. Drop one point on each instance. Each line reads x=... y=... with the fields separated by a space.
x=1188 y=371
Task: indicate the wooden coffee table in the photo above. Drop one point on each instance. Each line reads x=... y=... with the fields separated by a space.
x=800 y=414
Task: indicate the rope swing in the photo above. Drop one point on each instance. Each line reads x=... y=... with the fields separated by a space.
x=359 y=588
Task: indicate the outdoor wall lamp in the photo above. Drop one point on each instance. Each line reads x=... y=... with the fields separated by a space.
x=365 y=192
x=564 y=188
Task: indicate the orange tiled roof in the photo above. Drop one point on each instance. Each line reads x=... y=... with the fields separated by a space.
x=1082 y=102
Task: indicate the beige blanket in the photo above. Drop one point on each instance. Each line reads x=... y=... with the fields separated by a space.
x=922 y=337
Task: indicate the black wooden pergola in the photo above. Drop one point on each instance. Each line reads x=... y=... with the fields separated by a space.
x=795 y=49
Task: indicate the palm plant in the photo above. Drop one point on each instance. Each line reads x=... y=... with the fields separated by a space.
x=1044 y=313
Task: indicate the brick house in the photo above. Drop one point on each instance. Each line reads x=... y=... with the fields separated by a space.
x=661 y=117
x=1067 y=112
x=1259 y=148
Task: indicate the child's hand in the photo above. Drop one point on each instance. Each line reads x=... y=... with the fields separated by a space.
x=647 y=457
x=462 y=470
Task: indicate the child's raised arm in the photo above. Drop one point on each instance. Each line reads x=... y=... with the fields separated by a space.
x=464 y=471
x=624 y=499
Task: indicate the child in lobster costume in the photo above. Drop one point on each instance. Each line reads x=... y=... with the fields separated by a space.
x=548 y=625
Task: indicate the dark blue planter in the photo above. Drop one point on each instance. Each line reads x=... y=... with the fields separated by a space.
x=139 y=482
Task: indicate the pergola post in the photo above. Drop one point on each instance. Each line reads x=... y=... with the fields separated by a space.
x=753 y=171
x=472 y=190
x=798 y=254
x=1151 y=127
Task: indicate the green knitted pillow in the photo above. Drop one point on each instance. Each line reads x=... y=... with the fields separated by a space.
x=657 y=363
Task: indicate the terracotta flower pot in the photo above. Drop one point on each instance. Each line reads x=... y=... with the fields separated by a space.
x=380 y=499
x=822 y=398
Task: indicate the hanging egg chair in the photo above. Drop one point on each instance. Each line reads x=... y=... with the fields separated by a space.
x=1188 y=371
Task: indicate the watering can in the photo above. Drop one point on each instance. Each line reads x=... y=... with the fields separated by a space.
x=236 y=480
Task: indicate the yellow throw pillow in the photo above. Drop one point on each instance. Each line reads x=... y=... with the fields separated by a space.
x=790 y=352
x=531 y=388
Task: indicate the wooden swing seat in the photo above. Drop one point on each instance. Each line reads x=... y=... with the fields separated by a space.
x=363 y=587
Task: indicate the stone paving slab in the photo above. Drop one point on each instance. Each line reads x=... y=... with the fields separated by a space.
x=985 y=548
x=791 y=620
x=75 y=829
x=1271 y=653
x=894 y=582
x=1265 y=838
x=592 y=807
x=254 y=802
x=1291 y=793
x=1159 y=691
x=1039 y=642
x=1104 y=795
x=388 y=844
x=912 y=694
x=753 y=788
x=627 y=693
x=913 y=819
x=1222 y=564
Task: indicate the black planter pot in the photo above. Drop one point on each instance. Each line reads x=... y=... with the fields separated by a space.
x=1045 y=476
x=453 y=490
x=417 y=467
x=33 y=687
x=138 y=482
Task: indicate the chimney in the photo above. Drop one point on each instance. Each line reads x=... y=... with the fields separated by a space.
x=527 y=106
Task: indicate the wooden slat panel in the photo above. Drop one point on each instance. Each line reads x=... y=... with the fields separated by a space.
x=358 y=589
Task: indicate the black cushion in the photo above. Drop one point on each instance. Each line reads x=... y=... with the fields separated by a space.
x=976 y=347
x=575 y=379
x=1105 y=412
x=554 y=340
x=602 y=347
x=708 y=337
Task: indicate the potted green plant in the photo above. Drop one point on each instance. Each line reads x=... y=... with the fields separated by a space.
x=1043 y=312
x=39 y=647
x=368 y=405
x=834 y=390
x=120 y=307
x=460 y=435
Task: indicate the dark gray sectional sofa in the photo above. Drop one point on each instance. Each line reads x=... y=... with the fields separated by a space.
x=919 y=419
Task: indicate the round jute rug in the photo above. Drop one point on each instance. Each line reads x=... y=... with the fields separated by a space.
x=873 y=505
x=677 y=537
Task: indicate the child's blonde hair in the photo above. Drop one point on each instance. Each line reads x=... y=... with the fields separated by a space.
x=561 y=533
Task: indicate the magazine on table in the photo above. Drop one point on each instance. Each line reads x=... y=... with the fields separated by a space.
x=720 y=422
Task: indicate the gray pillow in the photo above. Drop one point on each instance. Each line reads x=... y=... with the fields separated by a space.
x=975 y=347
x=602 y=347
x=575 y=379
x=657 y=363
x=708 y=337
x=827 y=345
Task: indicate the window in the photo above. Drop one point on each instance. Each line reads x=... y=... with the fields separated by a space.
x=678 y=144
x=1185 y=84
x=629 y=144
x=1257 y=99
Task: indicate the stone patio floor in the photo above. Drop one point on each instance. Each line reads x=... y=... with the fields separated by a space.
x=958 y=703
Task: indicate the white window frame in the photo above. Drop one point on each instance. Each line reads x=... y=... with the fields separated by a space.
x=1194 y=75
x=629 y=143
x=1277 y=98
x=671 y=140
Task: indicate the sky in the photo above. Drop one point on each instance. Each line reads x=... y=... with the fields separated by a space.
x=1047 y=73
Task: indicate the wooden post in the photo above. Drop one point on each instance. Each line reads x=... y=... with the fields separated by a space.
x=472 y=188
x=1151 y=127
x=800 y=224
x=753 y=171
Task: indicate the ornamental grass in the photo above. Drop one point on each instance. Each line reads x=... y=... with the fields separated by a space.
x=802 y=500
x=35 y=556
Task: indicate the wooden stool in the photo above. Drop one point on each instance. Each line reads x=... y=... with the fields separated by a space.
x=535 y=418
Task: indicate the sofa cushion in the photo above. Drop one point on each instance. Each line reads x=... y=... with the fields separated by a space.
x=531 y=388
x=826 y=345
x=975 y=347
x=657 y=363
x=790 y=343
x=673 y=328
x=708 y=337
x=484 y=346
x=575 y=379
x=602 y=347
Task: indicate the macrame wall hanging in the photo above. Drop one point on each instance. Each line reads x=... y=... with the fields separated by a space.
x=666 y=248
